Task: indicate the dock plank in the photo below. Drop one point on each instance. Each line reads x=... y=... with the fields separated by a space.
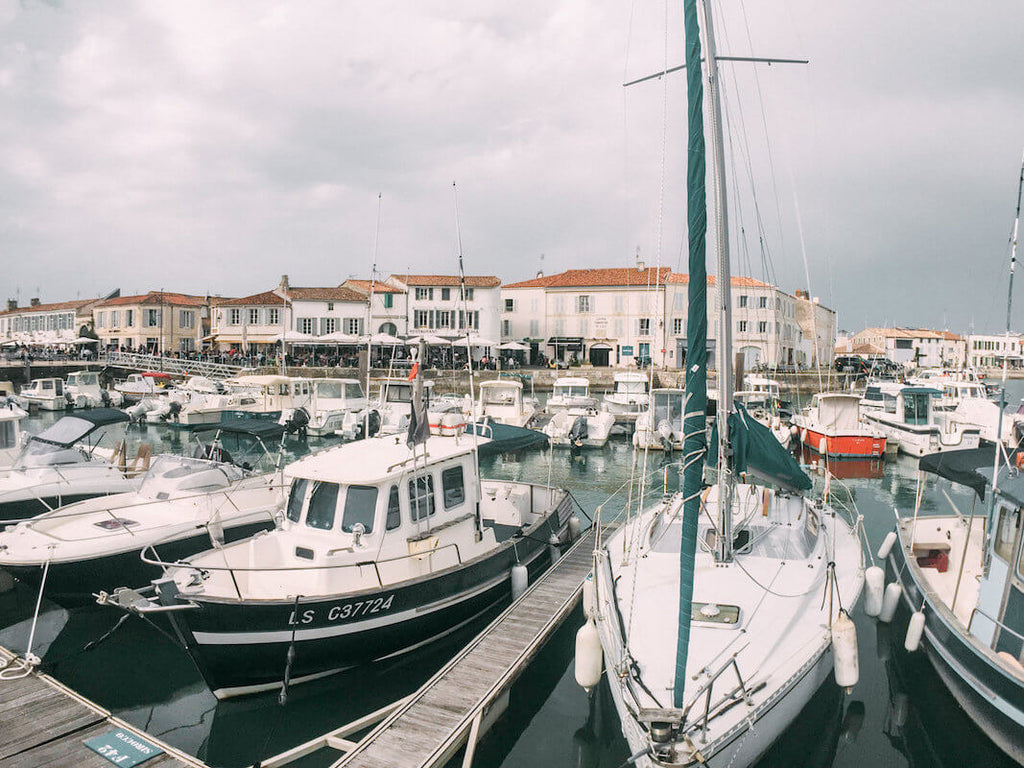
x=430 y=727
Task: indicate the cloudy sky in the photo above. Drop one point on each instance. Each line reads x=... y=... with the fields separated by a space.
x=212 y=146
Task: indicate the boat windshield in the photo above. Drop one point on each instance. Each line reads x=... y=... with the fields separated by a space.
x=631 y=387
x=360 y=505
x=65 y=432
x=8 y=433
x=38 y=454
x=398 y=393
x=668 y=407
x=499 y=395
x=570 y=390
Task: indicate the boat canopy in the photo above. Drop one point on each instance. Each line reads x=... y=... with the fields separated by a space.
x=757 y=450
x=71 y=429
x=262 y=428
x=838 y=411
x=973 y=467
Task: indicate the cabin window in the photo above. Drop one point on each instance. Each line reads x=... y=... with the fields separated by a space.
x=295 y=498
x=1006 y=533
x=454 y=487
x=394 y=509
x=360 y=504
x=915 y=409
x=322 y=503
x=421 y=497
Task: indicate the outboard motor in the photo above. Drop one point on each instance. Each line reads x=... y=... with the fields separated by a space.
x=173 y=410
x=579 y=432
x=296 y=422
x=105 y=398
x=369 y=420
x=69 y=399
x=665 y=435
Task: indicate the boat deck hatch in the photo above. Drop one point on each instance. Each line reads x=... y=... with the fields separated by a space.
x=715 y=613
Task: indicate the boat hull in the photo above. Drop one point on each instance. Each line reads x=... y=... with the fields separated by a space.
x=844 y=446
x=241 y=646
x=991 y=695
x=73 y=583
x=22 y=509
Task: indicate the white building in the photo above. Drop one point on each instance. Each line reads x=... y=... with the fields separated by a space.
x=256 y=323
x=621 y=316
x=818 y=328
x=920 y=347
x=388 y=308
x=434 y=304
x=40 y=323
x=989 y=350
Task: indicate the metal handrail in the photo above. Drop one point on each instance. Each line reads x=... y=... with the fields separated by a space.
x=179 y=366
x=707 y=689
x=998 y=623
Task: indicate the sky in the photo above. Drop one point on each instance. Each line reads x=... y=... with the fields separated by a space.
x=210 y=147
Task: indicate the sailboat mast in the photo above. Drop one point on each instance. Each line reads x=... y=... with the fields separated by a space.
x=723 y=293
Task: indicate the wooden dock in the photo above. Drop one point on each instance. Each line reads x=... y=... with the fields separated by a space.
x=457 y=704
x=43 y=723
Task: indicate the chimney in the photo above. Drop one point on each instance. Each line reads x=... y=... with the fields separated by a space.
x=34 y=302
x=284 y=283
x=12 y=304
x=639 y=264
x=540 y=274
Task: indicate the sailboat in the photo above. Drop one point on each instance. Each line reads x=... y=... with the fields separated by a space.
x=721 y=609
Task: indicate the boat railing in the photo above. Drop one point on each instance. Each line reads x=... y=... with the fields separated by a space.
x=996 y=622
x=202 y=571
x=741 y=692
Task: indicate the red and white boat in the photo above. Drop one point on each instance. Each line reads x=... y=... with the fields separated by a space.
x=831 y=425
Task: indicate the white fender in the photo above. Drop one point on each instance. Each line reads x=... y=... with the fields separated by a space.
x=844 y=652
x=874 y=582
x=588 y=656
x=890 y=602
x=915 y=629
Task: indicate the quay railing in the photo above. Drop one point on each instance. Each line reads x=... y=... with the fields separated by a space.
x=172 y=365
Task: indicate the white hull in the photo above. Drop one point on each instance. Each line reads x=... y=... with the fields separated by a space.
x=924 y=439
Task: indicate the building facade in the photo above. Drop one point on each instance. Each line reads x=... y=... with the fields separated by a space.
x=157 y=322
x=631 y=316
x=435 y=304
x=990 y=350
x=387 y=307
x=54 y=323
x=258 y=323
x=817 y=325
x=914 y=347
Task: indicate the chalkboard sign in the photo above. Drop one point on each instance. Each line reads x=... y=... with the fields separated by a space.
x=123 y=748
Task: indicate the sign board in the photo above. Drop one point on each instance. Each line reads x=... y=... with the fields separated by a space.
x=627 y=351
x=122 y=747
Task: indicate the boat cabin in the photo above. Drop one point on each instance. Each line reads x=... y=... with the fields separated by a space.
x=43 y=389
x=338 y=393
x=272 y=394
x=395 y=390
x=667 y=406
x=630 y=383
x=81 y=381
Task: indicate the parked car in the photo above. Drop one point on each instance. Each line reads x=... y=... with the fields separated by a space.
x=851 y=364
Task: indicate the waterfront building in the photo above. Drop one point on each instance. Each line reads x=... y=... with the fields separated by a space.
x=54 y=323
x=989 y=350
x=434 y=304
x=258 y=322
x=637 y=315
x=817 y=325
x=910 y=347
x=389 y=307
x=156 y=322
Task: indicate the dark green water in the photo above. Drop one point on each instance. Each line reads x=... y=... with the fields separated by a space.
x=898 y=714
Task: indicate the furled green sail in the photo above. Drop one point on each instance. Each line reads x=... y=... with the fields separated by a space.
x=755 y=449
x=694 y=440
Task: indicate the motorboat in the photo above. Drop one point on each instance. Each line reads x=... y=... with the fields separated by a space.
x=44 y=394
x=660 y=427
x=629 y=396
x=955 y=391
x=920 y=429
x=388 y=413
x=11 y=437
x=333 y=400
x=580 y=426
x=83 y=390
x=959 y=575
x=66 y=463
x=383 y=548
x=570 y=392
x=140 y=385
x=185 y=504
x=503 y=401
x=879 y=395
x=718 y=611
x=831 y=426
x=993 y=423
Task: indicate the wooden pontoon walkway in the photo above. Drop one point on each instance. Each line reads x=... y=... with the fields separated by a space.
x=44 y=723
x=452 y=708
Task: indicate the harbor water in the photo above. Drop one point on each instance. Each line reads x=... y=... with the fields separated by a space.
x=899 y=713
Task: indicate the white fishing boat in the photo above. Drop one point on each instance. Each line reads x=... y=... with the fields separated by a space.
x=961 y=578
x=44 y=394
x=388 y=413
x=504 y=401
x=387 y=544
x=140 y=385
x=629 y=397
x=333 y=400
x=65 y=463
x=580 y=426
x=83 y=390
x=11 y=436
x=660 y=427
x=831 y=426
x=228 y=490
x=918 y=427
x=721 y=609
x=879 y=395
x=570 y=392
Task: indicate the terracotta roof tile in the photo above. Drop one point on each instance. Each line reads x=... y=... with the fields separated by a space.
x=272 y=298
x=379 y=286
x=156 y=297
x=598 y=278
x=54 y=307
x=908 y=333
x=449 y=281
x=737 y=281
